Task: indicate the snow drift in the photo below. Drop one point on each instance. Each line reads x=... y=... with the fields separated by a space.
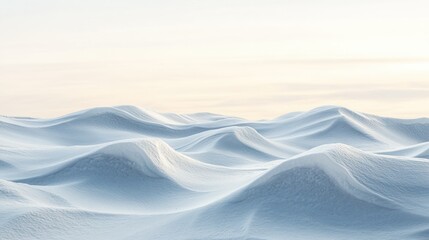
x=127 y=173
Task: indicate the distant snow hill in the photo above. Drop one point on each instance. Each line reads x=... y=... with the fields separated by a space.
x=126 y=173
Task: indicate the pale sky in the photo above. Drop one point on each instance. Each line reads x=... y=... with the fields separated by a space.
x=256 y=59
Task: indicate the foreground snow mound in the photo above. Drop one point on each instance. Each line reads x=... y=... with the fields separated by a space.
x=127 y=173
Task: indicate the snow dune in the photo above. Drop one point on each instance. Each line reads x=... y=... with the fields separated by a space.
x=127 y=173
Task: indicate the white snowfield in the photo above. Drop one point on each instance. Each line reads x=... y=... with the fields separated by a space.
x=125 y=173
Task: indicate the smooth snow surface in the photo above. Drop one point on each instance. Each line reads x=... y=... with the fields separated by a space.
x=126 y=173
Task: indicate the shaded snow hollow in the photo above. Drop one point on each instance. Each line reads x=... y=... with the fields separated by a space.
x=126 y=173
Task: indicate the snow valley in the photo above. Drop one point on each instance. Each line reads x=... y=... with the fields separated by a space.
x=127 y=173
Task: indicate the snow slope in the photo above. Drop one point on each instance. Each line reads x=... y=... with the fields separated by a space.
x=127 y=173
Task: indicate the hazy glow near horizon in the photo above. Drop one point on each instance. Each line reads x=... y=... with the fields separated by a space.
x=248 y=58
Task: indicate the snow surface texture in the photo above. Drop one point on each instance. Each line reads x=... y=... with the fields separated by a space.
x=126 y=173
